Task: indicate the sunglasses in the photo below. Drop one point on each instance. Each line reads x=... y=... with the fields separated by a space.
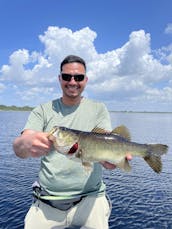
x=77 y=77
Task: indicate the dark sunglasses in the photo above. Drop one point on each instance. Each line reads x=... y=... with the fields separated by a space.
x=68 y=77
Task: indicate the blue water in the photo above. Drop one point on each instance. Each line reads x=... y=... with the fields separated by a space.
x=140 y=199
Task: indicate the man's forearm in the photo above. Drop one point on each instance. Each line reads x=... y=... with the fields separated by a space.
x=19 y=148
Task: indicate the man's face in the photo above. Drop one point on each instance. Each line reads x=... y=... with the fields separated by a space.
x=72 y=88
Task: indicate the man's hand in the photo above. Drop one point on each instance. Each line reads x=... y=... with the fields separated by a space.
x=32 y=144
x=108 y=165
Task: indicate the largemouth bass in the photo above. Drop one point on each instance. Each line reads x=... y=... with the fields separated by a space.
x=98 y=145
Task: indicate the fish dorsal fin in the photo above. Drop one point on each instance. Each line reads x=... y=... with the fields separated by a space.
x=99 y=130
x=122 y=131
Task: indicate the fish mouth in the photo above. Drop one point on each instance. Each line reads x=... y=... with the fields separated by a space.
x=63 y=149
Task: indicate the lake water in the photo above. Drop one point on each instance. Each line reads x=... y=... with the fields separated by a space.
x=141 y=198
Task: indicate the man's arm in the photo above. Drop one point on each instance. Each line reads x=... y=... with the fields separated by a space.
x=32 y=144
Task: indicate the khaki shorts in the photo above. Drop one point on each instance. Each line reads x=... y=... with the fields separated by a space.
x=91 y=213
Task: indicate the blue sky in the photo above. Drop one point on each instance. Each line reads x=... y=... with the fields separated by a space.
x=127 y=45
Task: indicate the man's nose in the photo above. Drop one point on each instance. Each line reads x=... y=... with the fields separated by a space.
x=72 y=80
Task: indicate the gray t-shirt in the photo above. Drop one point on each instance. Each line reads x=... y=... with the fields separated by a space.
x=58 y=174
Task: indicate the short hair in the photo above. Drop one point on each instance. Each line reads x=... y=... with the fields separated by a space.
x=72 y=59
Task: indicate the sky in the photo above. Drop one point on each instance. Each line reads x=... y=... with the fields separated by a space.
x=127 y=45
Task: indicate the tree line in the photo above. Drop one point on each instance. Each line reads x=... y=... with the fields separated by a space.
x=15 y=108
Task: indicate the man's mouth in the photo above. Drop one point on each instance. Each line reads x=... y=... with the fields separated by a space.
x=72 y=88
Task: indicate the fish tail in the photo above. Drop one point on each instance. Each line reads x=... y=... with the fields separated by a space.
x=153 y=158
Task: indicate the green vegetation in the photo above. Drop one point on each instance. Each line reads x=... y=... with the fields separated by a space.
x=27 y=108
x=15 y=108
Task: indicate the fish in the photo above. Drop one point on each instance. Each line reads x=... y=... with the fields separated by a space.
x=100 y=145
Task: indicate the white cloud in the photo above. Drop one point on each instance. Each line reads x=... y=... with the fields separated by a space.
x=61 y=41
x=132 y=73
x=164 y=54
x=168 y=29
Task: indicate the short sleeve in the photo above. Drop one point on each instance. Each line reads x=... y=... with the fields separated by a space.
x=103 y=117
x=36 y=119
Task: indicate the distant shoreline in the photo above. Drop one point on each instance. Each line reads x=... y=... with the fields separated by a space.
x=15 y=108
x=28 y=108
x=144 y=112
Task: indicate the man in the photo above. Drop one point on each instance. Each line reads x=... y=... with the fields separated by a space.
x=66 y=195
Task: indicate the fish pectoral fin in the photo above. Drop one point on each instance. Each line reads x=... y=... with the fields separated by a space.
x=78 y=154
x=154 y=162
x=124 y=164
x=88 y=166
